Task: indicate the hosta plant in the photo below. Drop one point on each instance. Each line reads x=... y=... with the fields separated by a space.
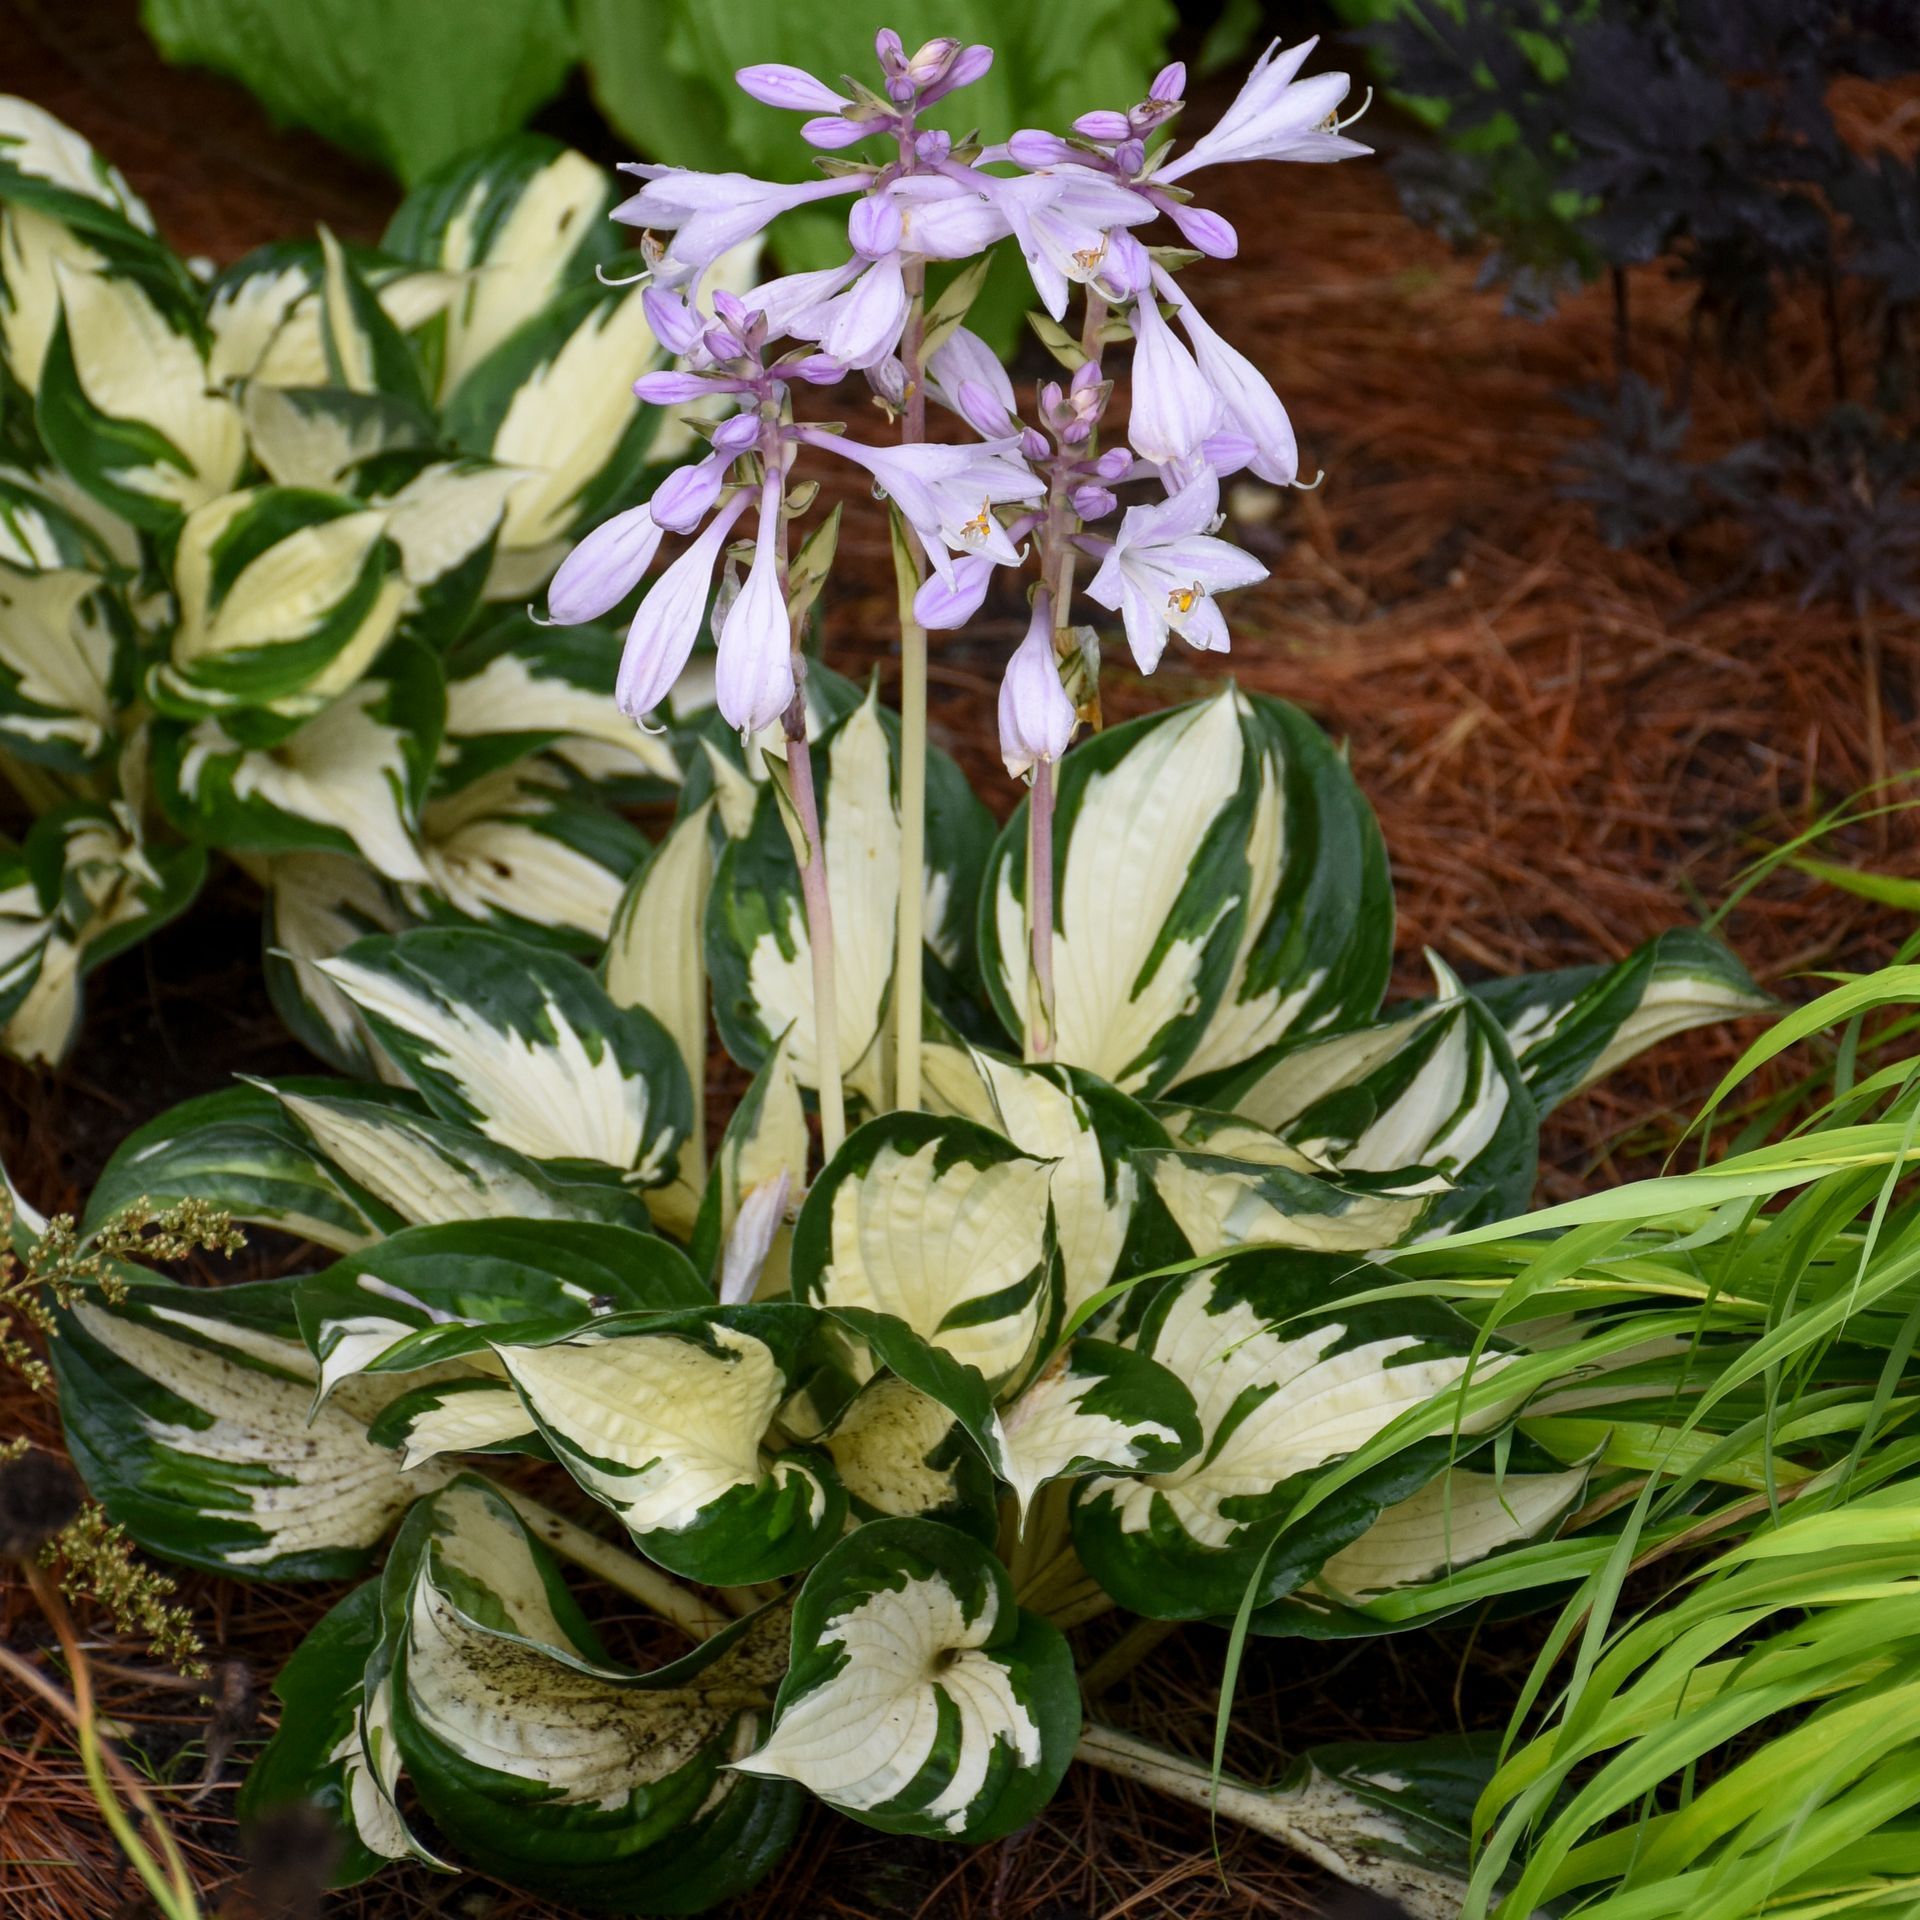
x=1041 y=1268
x=266 y=537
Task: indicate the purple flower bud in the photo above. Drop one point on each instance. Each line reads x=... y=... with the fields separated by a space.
x=1130 y=156
x=931 y=61
x=833 y=131
x=888 y=378
x=1169 y=84
x=1084 y=376
x=1033 y=149
x=941 y=605
x=1033 y=443
x=1077 y=433
x=722 y=345
x=1092 y=502
x=737 y=433
x=900 y=90
x=753 y=678
x=668 y=388
x=874 y=226
x=982 y=411
x=968 y=65
x=1103 y=125
x=1051 y=397
x=675 y=325
x=1128 y=268
x=1036 y=717
x=817 y=370
x=889 y=50
x=604 y=568
x=732 y=311
x=1115 y=464
x=778 y=85
x=683 y=498
x=932 y=146
x=1201 y=228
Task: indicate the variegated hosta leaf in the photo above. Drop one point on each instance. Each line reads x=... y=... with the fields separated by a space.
x=45 y=164
x=189 y=1412
x=901 y=1454
x=1569 y=1029
x=1220 y=1200
x=366 y=352
x=554 y=400
x=318 y=905
x=315 y=1758
x=945 y=1226
x=763 y=1152
x=1392 y=1816
x=543 y=1762
x=43 y=527
x=1288 y=1379
x=318 y=438
x=1088 y=1130
x=264 y=313
x=124 y=401
x=287 y=596
x=523 y=1045
x=517 y=687
x=431 y=1171
x=756 y=926
x=515 y=223
x=470 y=1413
x=666 y=1420
x=239 y=1150
x=96 y=888
x=1397 y=1572
x=444 y=517
x=921 y=1699
x=518 y=849
x=656 y=959
x=1316 y=946
x=430 y=1295
x=64 y=654
x=349 y=780
x=1432 y=1086
x=1151 y=886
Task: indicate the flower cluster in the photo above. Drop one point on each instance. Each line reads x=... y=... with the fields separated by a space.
x=1076 y=205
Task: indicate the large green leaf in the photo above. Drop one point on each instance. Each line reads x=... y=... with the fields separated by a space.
x=190 y=1413
x=944 y=1226
x=543 y=1762
x=921 y=1699
x=406 y=84
x=1288 y=1379
x=666 y=1420
x=523 y=1045
x=1151 y=886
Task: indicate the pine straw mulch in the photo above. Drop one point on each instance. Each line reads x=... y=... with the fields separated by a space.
x=1567 y=747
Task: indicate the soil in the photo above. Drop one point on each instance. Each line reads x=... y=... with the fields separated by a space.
x=1569 y=748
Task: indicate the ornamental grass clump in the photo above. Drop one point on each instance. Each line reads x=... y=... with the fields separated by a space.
x=1043 y=1268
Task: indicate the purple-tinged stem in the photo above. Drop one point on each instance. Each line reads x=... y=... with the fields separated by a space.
x=913 y=739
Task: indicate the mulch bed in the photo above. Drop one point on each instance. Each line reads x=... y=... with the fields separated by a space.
x=1569 y=749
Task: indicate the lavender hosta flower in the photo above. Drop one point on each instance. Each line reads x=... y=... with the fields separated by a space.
x=1174 y=407
x=774 y=84
x=1249 y=407
x=686 y=496
x=1163 y=569
x=964 y=359
x=1274 y=116
x=753 y=676
x=948 y=601
x=1061 y=218
x=668 y=621
x=947 y=494
x=1036 y=717
x=604 y=568
x=709 y=213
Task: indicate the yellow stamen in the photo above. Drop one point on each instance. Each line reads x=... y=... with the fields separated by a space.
x=1087 y=258
x=1181 y=599
x=976 y=529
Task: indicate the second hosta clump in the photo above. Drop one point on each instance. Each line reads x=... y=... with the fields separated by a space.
x=978 y=1391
